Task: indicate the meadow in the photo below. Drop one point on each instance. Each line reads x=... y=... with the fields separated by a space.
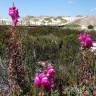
x=56 y=45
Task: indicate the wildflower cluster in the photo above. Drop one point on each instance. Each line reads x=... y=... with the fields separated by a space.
x=85 y=40
x=45 y=78
x=13 y=12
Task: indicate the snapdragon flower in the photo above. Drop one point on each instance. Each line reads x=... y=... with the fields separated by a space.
x=13 y=12
x=45 y=78
x=85 y=40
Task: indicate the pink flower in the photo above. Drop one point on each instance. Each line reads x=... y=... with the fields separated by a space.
x=13 y=12
x=45 y=82
x=88 y=42
x=37 y=81
x=50 y=71
x=82 y=37
x=85 y=40
x=45 y=78
x=41 y=75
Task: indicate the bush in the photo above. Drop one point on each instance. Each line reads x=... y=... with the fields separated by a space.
x=90 y=27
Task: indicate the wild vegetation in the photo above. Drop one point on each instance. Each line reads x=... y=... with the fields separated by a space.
x=57 y=46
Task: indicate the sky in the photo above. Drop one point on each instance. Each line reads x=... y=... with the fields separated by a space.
x=50 y=7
